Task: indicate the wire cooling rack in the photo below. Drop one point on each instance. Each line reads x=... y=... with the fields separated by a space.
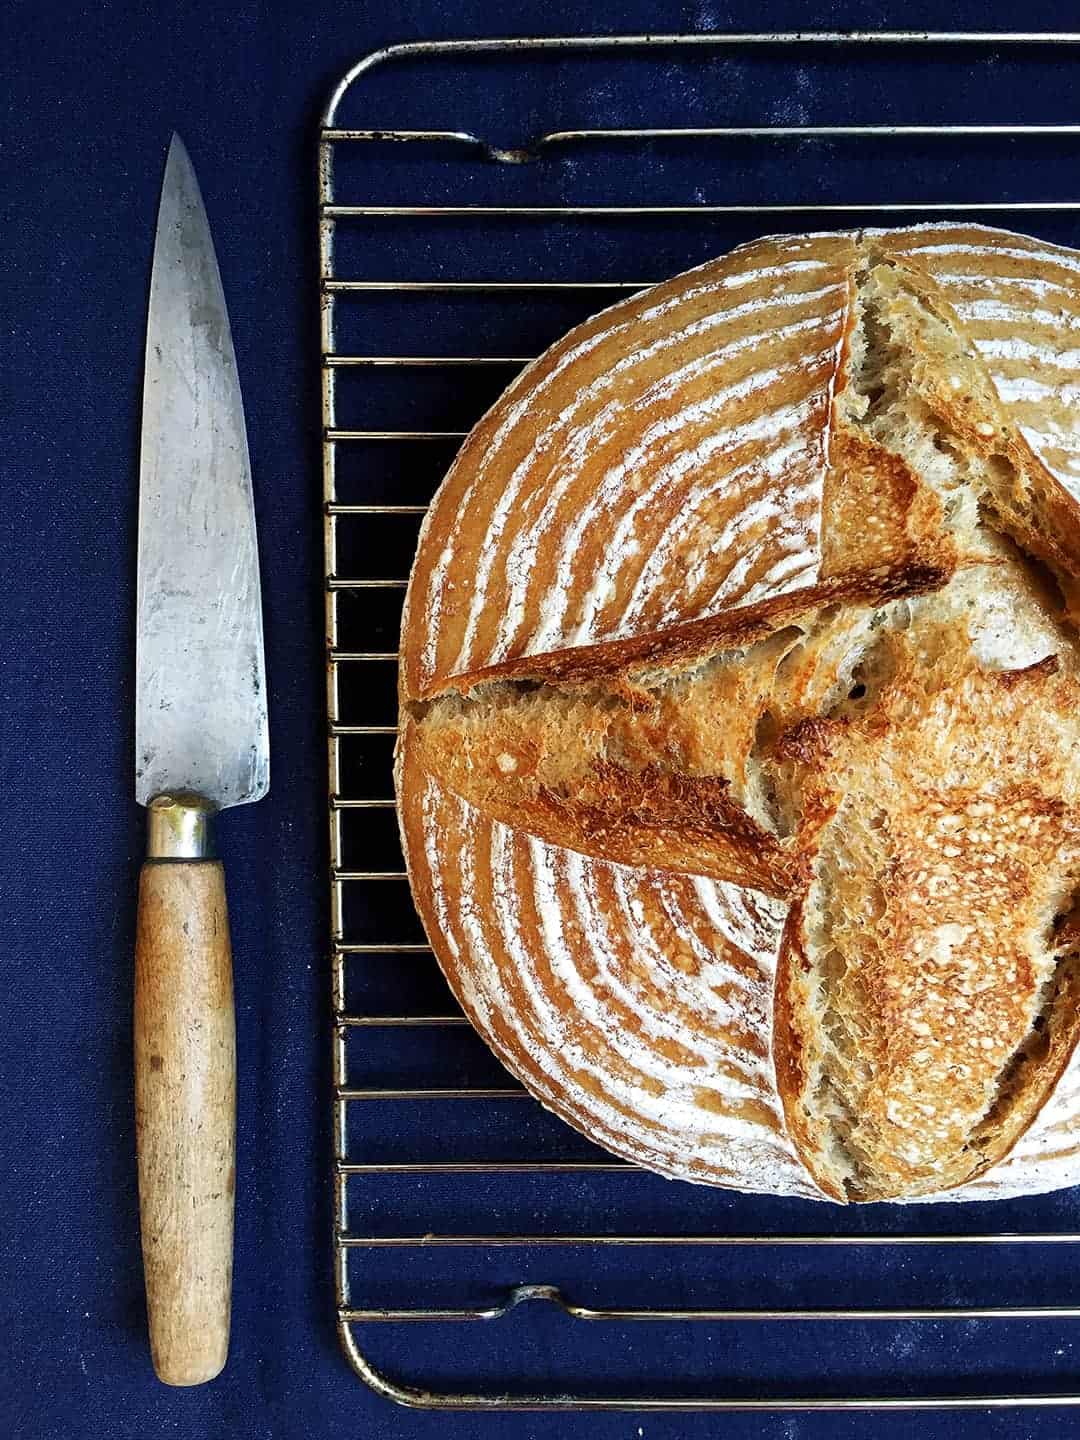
x=537 y=180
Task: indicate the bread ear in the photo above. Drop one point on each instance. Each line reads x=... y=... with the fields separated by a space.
x=644 y=817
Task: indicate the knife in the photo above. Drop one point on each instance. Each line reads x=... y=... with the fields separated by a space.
x=201 y=745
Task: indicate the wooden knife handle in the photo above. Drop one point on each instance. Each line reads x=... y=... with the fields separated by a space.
x=185 y=1114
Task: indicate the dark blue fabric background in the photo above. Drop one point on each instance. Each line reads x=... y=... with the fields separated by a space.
x=88 y=97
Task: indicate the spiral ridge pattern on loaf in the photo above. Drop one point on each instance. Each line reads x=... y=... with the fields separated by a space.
x=664 y=462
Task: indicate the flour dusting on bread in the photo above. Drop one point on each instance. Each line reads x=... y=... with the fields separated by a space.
x=768 y=579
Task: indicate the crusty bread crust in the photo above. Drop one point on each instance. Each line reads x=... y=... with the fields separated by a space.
x=925 y=995
x=692 y=583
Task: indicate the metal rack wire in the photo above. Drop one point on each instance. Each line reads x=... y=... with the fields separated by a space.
x=367 y=900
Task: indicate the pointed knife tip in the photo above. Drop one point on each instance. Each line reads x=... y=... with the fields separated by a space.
x=178 y=161
x=179 y=175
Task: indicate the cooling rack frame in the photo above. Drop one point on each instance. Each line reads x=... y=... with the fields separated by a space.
x=333 y=212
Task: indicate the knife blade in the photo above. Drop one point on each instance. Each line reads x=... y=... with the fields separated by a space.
x=201 y=745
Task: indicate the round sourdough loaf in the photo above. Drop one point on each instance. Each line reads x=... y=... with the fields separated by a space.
x=740 y=697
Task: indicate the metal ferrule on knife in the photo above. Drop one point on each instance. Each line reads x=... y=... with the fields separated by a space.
x=180 y=826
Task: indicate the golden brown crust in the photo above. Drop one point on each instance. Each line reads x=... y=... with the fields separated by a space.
x=614 y=753
x=686 y=476
x=921 y=1014
x=870 y=489
x=627 y=816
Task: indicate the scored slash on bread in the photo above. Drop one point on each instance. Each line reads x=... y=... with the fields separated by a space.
x=786 y=601
x=647 y=752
